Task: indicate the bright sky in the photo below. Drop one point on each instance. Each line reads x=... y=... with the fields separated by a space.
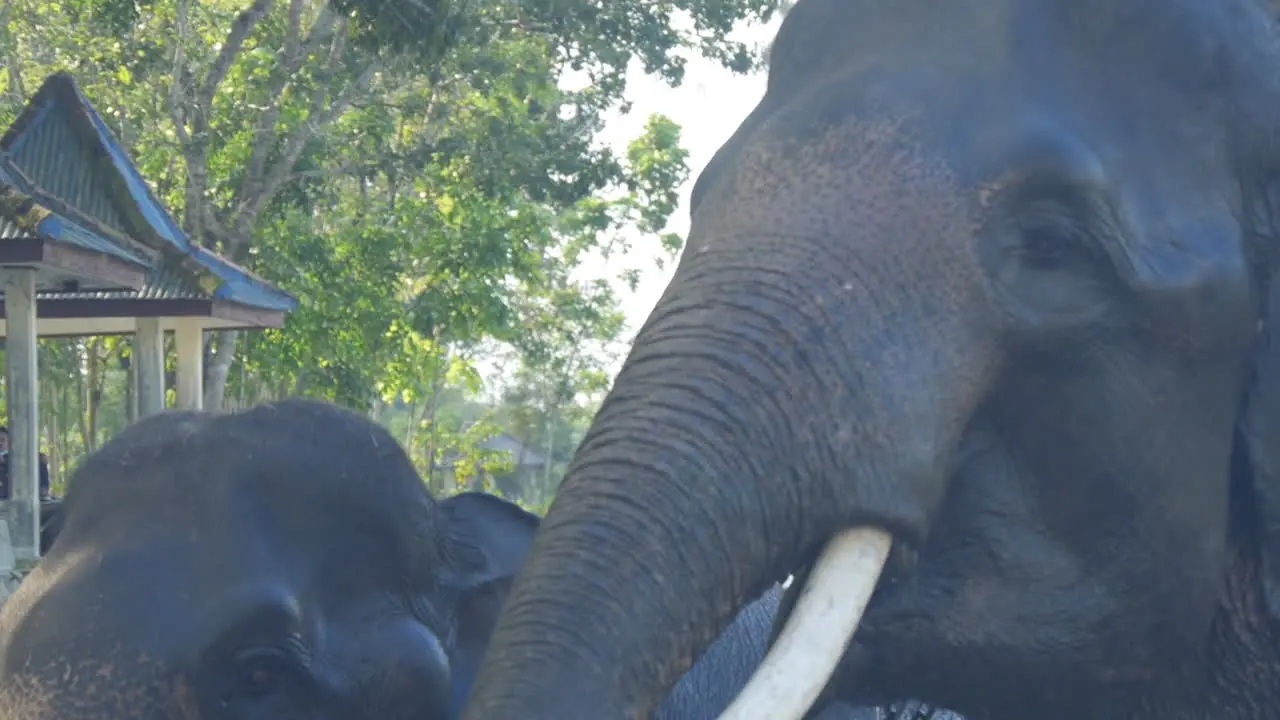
x=708 y=106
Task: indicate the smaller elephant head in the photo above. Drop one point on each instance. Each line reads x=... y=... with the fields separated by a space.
x=282 y=562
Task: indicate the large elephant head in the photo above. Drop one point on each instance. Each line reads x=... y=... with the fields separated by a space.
x=991 y=277
x=282 y=562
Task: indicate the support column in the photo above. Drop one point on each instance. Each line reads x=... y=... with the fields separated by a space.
x=148 y=357
x=24 y=413
x=188 y=339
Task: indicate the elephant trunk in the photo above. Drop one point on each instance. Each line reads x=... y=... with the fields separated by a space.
x=756 y=418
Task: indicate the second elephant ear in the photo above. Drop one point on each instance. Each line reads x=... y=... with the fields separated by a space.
x=1259 y=434
x=488 y=540
x=50 y=524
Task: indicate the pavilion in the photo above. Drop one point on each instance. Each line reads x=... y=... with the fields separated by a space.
x=87 y=249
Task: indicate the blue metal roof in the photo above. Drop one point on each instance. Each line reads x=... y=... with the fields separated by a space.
x=159 y=218
x=239 y=285
x=61 y=142
x=48 y=223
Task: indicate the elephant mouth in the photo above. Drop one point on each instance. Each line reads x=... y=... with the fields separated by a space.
x=854 y=580
x=897 y=582
x=913 y=591
x=896 y=609
x=815 y=636
x=902 y=565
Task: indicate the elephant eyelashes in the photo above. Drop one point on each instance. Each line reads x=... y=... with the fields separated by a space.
x=1049 y=237
x=259 y=679
x=261 y=673
x=1046 y=255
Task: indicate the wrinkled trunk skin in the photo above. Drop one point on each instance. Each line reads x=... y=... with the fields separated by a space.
x=1238 y=675
x=787 y=385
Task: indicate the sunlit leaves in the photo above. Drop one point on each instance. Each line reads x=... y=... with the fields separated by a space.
x=441 y=215
x=658 y=168
x=601 y=38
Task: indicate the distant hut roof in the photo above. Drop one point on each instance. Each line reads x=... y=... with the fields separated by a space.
x=520 y=452
x=503 y=443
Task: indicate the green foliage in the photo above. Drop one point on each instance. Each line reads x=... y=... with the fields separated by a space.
x=602 y=38
x=412 y=170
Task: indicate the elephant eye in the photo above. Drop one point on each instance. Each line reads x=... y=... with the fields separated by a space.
x=261 y=672
x=1049 y=237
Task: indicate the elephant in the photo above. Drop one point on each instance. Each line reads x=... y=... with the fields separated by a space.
x=973 y=333
x=285 y=561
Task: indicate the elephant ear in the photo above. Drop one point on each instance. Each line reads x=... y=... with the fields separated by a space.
x=50 y=524
x=487 y=540
x=1259 y=433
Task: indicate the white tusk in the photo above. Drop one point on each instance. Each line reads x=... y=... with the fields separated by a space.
x=821 y=624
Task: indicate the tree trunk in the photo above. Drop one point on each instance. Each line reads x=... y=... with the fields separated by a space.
x=550 y=448
x=432 y=411
x=48 y=404
x=58 y=461
x=93 y=363
x=219 y=369
x=82 y=391
x=130 y=391
x=409 y=435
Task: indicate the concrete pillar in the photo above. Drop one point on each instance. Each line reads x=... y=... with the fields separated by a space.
x=188 y=339
x=148 y=358
x=24 y=413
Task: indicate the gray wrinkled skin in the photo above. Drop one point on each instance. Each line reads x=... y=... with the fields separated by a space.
x=998 y=277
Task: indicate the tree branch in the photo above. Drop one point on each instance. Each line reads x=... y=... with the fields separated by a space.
x=13 y=64
x=316 y=120
x=350 y=168
x=192 y=153
x=257 y=196
x=244 y=24
x=200 y=219
x=296 y=52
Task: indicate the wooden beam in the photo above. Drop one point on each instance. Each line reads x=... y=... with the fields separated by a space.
x=77 y=318
x=188 y=339
x=124 y=325
x=148 y=356
x=58 y=258
x=24 y=412
x=94 y=267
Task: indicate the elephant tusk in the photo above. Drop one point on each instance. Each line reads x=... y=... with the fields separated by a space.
x=826 y=615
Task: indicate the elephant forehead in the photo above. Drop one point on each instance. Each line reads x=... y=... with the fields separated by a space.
x=1194 y=43
x=171 y=602
x=871 y=178
x=862 y=133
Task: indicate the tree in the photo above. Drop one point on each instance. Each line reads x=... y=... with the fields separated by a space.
x=251 y=87
x=430 y=199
